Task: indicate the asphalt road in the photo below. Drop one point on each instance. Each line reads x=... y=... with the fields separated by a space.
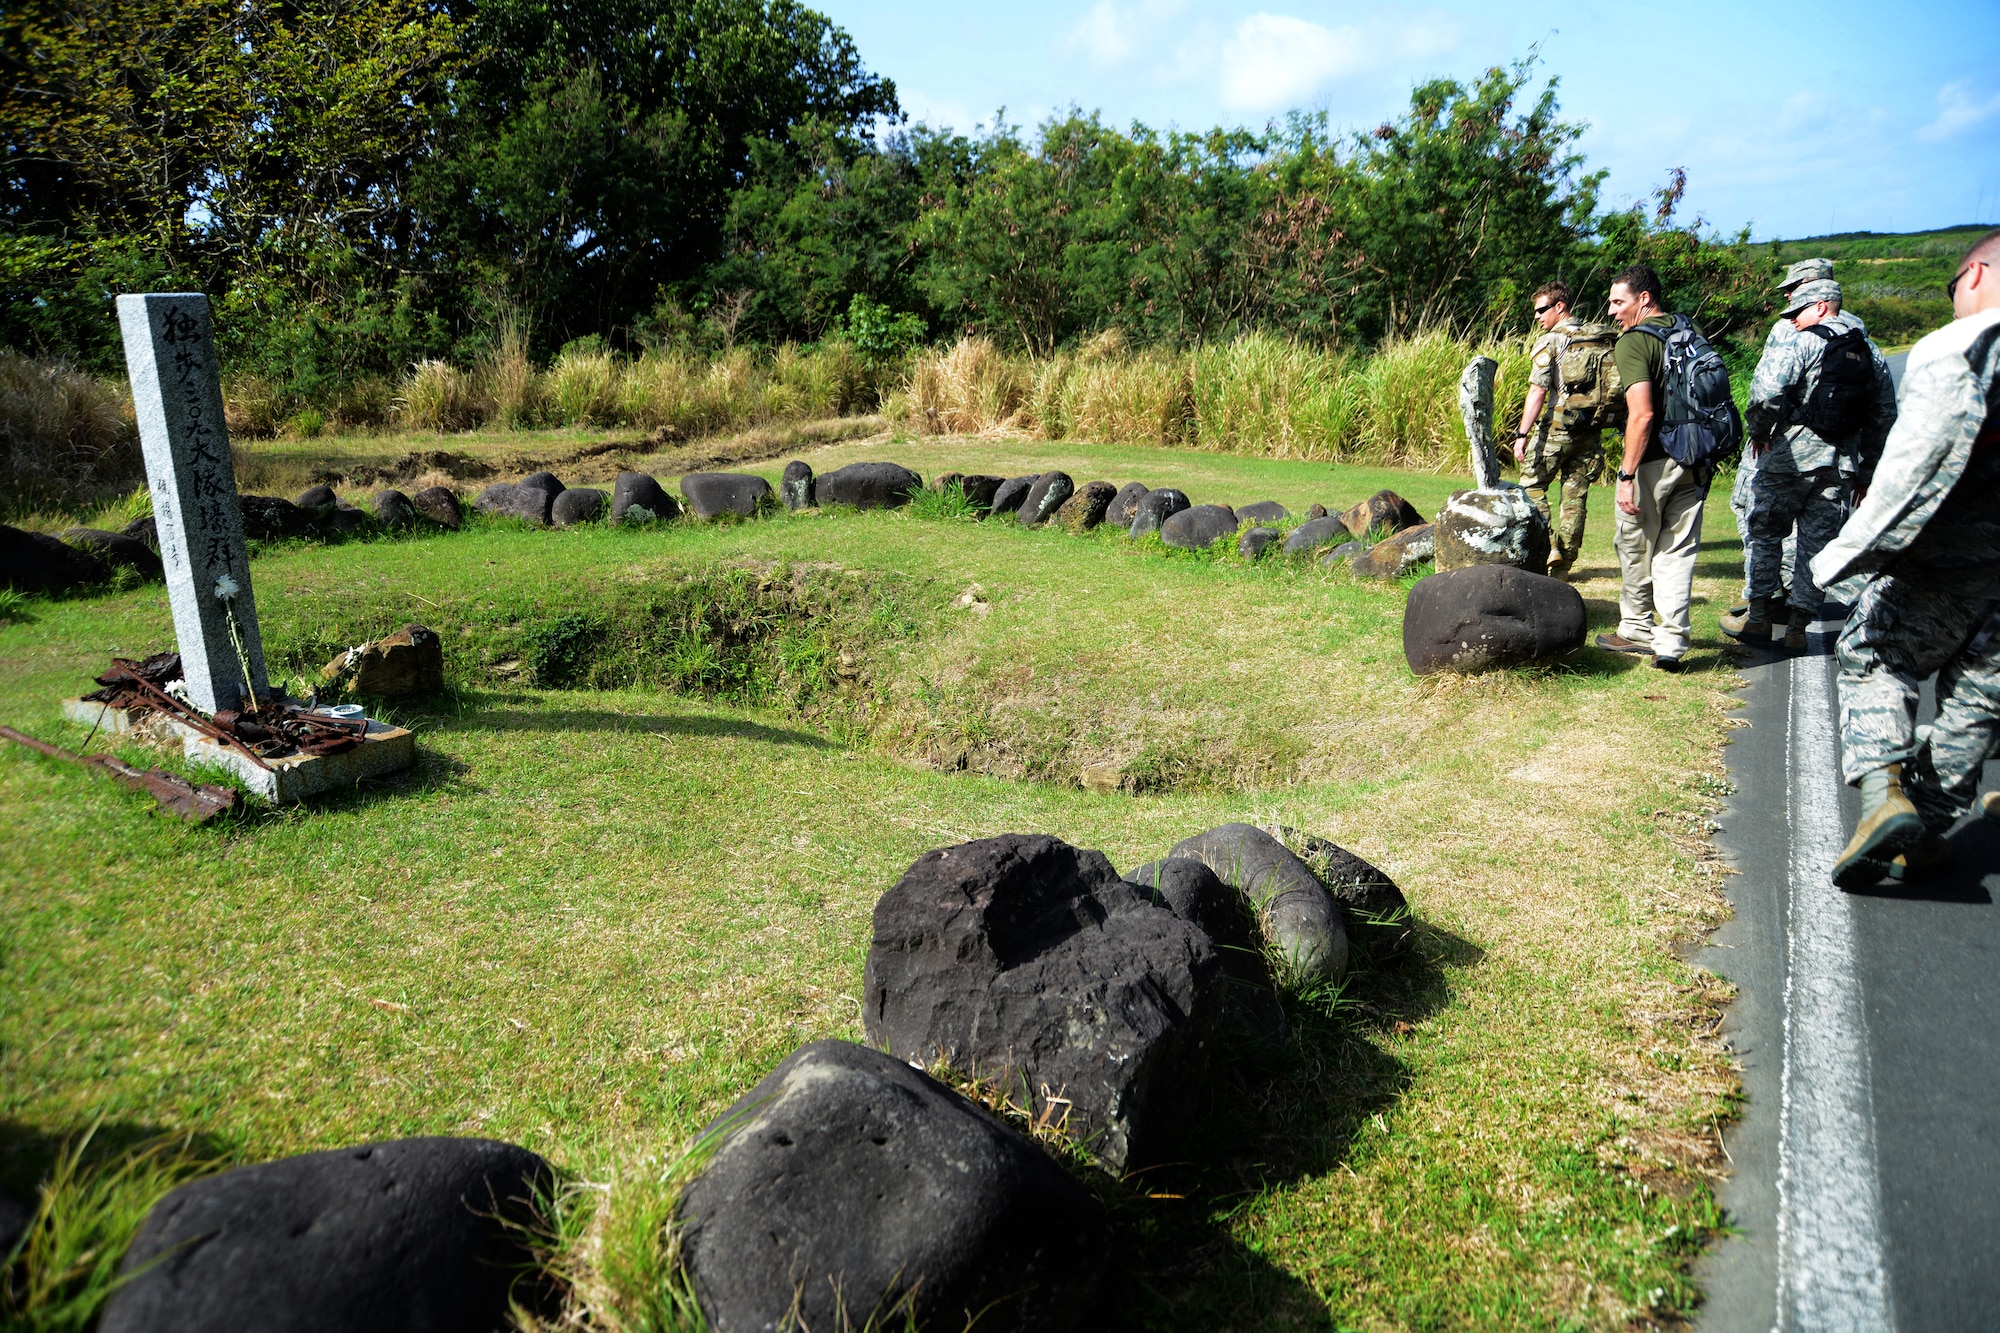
x=1866 y=1182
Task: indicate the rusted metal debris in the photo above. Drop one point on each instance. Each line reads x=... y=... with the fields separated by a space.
x=269 y=731
x=197 y=803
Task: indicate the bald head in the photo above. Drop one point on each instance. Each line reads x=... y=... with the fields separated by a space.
x=1977 y=286
x=1986 y=247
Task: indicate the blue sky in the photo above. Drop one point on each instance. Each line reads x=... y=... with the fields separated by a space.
x=1796 y=120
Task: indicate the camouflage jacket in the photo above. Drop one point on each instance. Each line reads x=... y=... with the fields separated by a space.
x=1950 y=403
x=1542 y=355
x=1786 y=375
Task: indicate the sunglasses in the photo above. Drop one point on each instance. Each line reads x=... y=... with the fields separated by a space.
x=1544 y=309
x=1951 y=288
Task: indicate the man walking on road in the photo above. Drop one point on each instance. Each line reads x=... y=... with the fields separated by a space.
x=1928 y=532
x=1782 y=332
x=1659 y=500
x=1821 y=405
x=1572 y=373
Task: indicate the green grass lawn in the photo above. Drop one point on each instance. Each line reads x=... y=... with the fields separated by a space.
x=594 y=916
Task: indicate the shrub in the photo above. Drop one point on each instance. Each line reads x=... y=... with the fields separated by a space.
x=68 y=438
x=439 y=396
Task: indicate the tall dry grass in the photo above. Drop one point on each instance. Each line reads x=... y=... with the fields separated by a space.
x=68 y=439
x=968 y=388
x=439 y=396
x=1258 y=395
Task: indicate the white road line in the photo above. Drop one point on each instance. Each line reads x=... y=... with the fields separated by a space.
x=1831 y=1276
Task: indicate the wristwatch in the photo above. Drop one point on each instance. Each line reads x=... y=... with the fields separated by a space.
x=1627 y=476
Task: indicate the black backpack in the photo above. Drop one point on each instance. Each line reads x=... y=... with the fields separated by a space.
x=1838 y=405
x=1699 y=423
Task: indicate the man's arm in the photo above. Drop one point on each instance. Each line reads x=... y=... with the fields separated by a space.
x=1638 y=432
x=1537 y=395
x=1770 y=390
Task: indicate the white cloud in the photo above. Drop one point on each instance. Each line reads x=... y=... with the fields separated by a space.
x=1274 y=61
x=1958 y=112
x=1104 y=34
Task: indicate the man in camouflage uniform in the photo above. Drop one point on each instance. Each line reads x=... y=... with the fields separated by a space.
x=1804 y=271
x=1927 y=540
x=1551 y=449
x=1805 y=470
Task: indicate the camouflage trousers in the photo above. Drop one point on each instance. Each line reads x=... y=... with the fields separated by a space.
x=1905 y=626
x=1555 y=455
x=1739 y=502
x=1779 y=499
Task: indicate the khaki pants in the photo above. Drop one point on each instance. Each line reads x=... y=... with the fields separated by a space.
x=1656 y=551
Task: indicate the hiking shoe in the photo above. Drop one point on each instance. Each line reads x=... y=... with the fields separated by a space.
x=1795 y=638
x=1559 y=569
x=1733 y=618
x=1618 y=643
x=1890 y=827
x=1931 y=856
x=1668 y=664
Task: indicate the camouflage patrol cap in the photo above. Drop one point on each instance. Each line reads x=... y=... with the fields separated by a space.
x=1806 y=270
x=1808 y=293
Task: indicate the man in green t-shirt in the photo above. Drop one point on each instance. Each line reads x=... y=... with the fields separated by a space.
x=1659 y=501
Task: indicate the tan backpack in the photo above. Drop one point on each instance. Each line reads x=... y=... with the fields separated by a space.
x=1587 y=392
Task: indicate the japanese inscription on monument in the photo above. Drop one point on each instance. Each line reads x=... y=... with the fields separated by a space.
x=177 y=392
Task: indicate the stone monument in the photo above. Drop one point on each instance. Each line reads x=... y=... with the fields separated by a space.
x=177 y=394
x=1496 y=523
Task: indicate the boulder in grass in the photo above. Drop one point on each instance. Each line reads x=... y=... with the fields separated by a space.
x=1374 y=909
x=1024 y=960
x=429 y=1233
x=848 y=1184
x=1500 y=526
x=1264 y=511
x=408 y=662
x=1192 y=529
x=1086 y=509
x=1490 y=616
x=317 y=497
x=546 y=482
x=342 y=520
x=1192 y=892
x=1046 y=496
x=143 y=530
x=1125 y=504
x=37 y=562
x=797 y=487
x=637 y=498
x=393 y=509
x=1383 y=512
x=1255 y=541
x=1299 y=916
x=506 y=499
x=978 y=489
x=1341 y=554
x=118 y=551
x=868 y=486
x=1009 y=495
x=1315 y=534
x=1154 y=509
x=713 y=495
x=439 y=504
x=272 y=518
x=579 y=504
x=1393 y=557
x=1314 y=511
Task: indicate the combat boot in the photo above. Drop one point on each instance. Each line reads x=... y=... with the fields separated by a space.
x=1733 y=618
x=1756 y=622
x=1795 y=633
x=1931 y=856
x=1989 y=805
x=1890 y=827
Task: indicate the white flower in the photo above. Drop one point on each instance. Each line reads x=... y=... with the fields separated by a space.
x=225 y=588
